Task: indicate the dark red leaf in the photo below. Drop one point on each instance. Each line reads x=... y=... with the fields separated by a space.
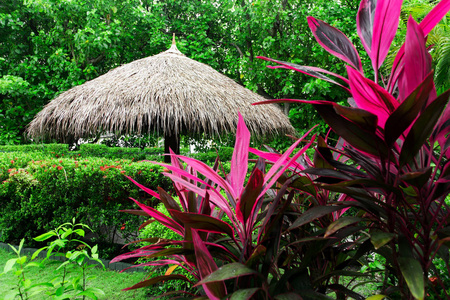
x=157 y=279
x=311 y=71
x=335 y=42
x=206 y=266
x=385 y=24
x=315 y=213
x=364 y=23
x=422 y=128
x=405 y=114
x=239 y=161
x=371 y=97
x=203 y=222
x=249 y=196
x=417 y=61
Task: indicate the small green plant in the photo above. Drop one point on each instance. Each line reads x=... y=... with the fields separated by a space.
x=71 y=284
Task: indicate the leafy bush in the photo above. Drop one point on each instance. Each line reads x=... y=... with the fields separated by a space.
x=38 y=192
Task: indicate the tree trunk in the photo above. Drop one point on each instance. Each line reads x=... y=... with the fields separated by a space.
x=171 y=141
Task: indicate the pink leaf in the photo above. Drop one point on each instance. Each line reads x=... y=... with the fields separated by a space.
x=209 y=173
x=206 y=265
x=371 y=97
x=387 y=17
x=417 y=61
x=239 y=161
x=163 y=219
x=335 y=42
x=435 y=16
x=284 y=165
x=364 y=23
x=215 y=195
x=145 y=189
x=427 y=24
x=250 y=195
x=311 y=71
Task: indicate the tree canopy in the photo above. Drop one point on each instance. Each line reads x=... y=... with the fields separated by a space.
x=49 y=46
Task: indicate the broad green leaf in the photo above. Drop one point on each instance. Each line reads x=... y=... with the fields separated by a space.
x=228 y=271
x=44 y=236
x=377 y=297
x=379 y=239
x=22 y=260
x=341 y=223
x=244 y=294
x=59 y=291
x=79 y=231
x=36 y=253
x=9 y=264
x=413 y=274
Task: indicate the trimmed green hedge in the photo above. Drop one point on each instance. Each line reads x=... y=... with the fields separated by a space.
x=103 y=151
x=38 y=192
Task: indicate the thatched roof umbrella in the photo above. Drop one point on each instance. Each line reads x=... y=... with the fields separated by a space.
x=166 y=93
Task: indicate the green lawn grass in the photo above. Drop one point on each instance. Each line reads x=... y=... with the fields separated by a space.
x=111 y=282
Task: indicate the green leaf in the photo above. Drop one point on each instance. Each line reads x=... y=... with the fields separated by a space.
x=22 y=260
x=228 y=271
x=413 y=274
x=44 y=236
x=244 y=294
x=79 y=231
x=9 y=264
x=341 y=223
x=36 y=253
x=377 y=297
x=379 y=239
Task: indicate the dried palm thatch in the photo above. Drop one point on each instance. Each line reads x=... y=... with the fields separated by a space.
x=167 y=93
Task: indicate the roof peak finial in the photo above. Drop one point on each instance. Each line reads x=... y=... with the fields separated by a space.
x=173 y=49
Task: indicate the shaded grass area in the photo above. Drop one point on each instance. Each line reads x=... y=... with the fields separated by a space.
x=111 y=282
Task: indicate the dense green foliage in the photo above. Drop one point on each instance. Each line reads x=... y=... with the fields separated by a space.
x=49 y=46
x=38 y=192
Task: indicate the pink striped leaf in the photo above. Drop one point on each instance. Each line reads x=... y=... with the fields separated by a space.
x=285 y=166
x=311 y=71
x=239 y=160
x=385 y=24
x=364 y=23
x=250 y=195
x=209 y=173
x=163 y=219
x=215 y=196
x=435 y=16
x=145 y=189
x=206 y=266
x=427 y=24
x=417 y=61
x=371 y=97
x=407 y=112
x=335 y=42
x=204 y=223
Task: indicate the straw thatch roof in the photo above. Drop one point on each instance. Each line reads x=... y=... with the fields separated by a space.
x=166 y=93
